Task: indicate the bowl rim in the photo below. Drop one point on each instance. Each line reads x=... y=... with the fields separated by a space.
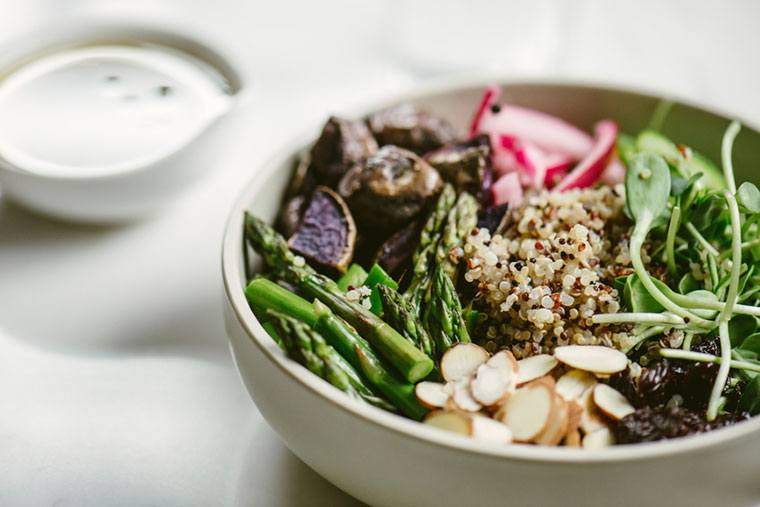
x=368 y=414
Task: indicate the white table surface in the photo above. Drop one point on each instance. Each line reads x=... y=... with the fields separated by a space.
x=116 y=383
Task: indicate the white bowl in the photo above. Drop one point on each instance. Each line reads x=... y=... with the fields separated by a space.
x=131 y=191
x=384 y=459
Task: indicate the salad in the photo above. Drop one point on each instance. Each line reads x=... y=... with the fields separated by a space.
x=524 y=282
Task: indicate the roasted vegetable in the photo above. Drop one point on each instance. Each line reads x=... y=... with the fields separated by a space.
x=465 y=165
x=326 y=234
x=342 y=144
x=391 y=188
x=411 y=128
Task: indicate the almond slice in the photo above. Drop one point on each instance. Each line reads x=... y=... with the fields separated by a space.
x=591 y=421
x=450 y=420
x=611 y=402
x=574 y=414
x=527 y=411
x=493 y=382
x=534 y=367
x=431 y=394
x=504 y=359
x=573 y=383
x=461 y=361
x=598 y=439
x=487 y=429
x=573 y=439
x=557 y=427
x=593 y=358
x=463 y=399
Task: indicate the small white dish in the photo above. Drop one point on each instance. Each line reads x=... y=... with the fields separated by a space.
x=104 y=178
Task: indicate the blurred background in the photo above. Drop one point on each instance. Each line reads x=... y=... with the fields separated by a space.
x=116 y=383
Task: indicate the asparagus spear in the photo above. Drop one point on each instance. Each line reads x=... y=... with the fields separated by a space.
x=459 y=222
x=310 y=349
x=443 y=313
x=412 y=363
x=400 y=313
x=358 y=352
x=265 y=295
x=431 y=232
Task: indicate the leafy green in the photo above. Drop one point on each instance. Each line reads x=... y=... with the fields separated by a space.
x=751 y=344
x=750 y=400
x=647 y=186
x=638 y=298
x=688 y=283
x=749 y=197
x=741 y=327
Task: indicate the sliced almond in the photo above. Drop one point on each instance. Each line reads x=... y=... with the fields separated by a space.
x=493 y=382
x=534 y=367
x=557 y=427
x=450 y=420
x=598 y=439
x=573 y=439
x=611 y=402
x=463 y=399
x=573 y=383
x=528 y=411
x=487 y=429
x=503 y=359
x=591 y=421
x=574 y=414
x=461 y=361
x=593 y=358
x=431 y=394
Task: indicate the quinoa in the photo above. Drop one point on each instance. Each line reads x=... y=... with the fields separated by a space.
x=551 y=270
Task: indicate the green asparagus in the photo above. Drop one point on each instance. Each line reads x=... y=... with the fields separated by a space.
x=459 y=222
x=358 y=352
x=443 y=313
x=412 y=363
x=310 y=349
x=431 y=233
x=400 y=314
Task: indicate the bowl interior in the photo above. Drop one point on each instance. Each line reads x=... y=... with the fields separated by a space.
x=581 y=105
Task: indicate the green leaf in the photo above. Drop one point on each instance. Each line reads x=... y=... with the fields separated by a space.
x=638 y=298
x=750 y=400
x=688 y=284
x=751 y=344
x=741 y=327
x=647 y=187
x=626 y=147
x=749 y=197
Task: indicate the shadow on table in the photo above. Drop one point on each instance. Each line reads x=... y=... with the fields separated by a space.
x=71 y=289
x=272 y=475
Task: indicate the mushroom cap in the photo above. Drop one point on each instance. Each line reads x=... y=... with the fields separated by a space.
x=411 y=128
x=391 y=188
x=341 y=145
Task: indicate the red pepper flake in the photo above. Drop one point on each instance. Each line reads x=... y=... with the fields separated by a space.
x=539 y=246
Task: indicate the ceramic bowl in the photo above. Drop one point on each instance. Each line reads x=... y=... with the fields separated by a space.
x=132 y=191
x=383 y=459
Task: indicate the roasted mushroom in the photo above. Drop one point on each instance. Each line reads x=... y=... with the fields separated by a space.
x=326 y=234
x=342 y=144
x=494 y=218
x=396 y=252
x=465 y=165
x=408 y=127
x=391 y=188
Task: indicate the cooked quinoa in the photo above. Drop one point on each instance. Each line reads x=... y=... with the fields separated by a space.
x=553 y=267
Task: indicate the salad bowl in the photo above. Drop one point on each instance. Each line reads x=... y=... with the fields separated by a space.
x=384 y=459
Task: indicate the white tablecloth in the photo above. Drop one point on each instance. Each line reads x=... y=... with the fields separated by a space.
x=116 y=384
